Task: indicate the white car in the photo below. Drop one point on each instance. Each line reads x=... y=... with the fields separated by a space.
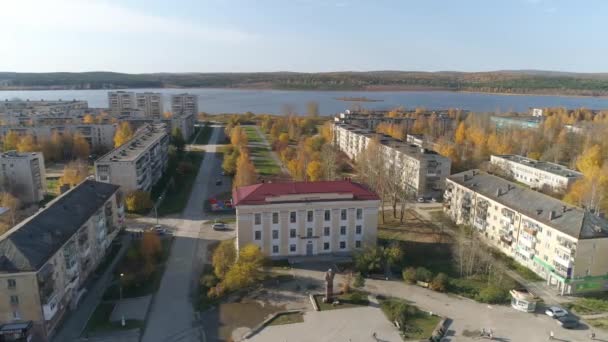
x=556 y=312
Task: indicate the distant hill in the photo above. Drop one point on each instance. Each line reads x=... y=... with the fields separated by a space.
x=510 y=81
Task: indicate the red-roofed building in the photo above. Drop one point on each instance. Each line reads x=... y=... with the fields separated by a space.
x=306 y=218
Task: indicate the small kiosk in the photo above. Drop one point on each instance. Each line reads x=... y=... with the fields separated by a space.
x=523 y=300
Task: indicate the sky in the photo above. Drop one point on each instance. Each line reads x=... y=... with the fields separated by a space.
x=143 y=36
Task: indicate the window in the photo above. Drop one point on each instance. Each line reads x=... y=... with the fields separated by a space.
x=309 y=216
x=292 y=248
x=342 y=244
x=359 y=213
x=275 y=234
x=309 y=232
x=342 y=230
x=14 y=299
x=342 y=214
x=326 y=231
x=358 y=229
x=325 y=246
x=292 y=233
x=257 y=235
x=275 y=249
x=257 y=219
x=358 y=244
x=327 y=215
x=12 y=283
x=292 y=217
x=275 y=218
x=16 y=315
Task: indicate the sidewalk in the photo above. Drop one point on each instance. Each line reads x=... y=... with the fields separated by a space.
x=76 y=320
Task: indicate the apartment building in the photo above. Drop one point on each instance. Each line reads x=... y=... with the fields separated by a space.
x=99 y=136
x=423 y=170
x=185 y=122
x=536 y=174
x=121 y=101
x=306 y=218
x=184 y=104
x=565 y=245
x=150 y=103
x=139 y=163
x=42 y=107
x=24 y=175
x=46 y=259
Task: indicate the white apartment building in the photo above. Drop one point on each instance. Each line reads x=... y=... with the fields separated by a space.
x=45 y=261
x=150 y=103
x=536 y=174
x=185 y=122
x=139 y=163
x=424 y=171
x=23 y=175
x=121 y=101
x=99 y=136
x=306 y=218
x=563 y=244
x=184 y=104
x=41 y=107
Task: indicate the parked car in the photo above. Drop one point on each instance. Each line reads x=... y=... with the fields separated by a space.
x=421 y=200
x=218 y=226
x=556 y=312
x=218 y=182
x=160 y=230
x=568 y=322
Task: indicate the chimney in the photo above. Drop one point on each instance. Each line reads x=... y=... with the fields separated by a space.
x=552 y=215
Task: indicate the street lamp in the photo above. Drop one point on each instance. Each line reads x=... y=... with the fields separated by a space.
x=160 y=198
x=122 y=320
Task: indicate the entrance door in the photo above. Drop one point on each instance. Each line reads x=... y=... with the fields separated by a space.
x=309 y=248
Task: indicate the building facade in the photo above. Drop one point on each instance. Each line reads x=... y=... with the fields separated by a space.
x=423 y=171
x=139 y=163
x=536 y=174
x=565 y=245
x=306 y=218
x=27 y=107
x=150 y=103
x=184 y=104
x=99 y=136
x=24 y=175
x=121 y=101
x=46 y=259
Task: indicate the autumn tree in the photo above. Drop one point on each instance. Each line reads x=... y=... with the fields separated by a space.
x=460 y=134
x=88 y=119
x=27 y=144
x=80 y=147
x=246 y=270
x=138 y=201
x=245 y=170
x=9 y=219
x=150 y=246
x=10 y=141
x=238 y=137
x=123 y=134
x=224 y=256
x=314 y=171
x=74 y=173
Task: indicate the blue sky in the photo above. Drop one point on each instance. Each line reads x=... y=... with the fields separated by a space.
x=139 y=36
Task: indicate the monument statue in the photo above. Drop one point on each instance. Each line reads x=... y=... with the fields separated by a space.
x=329 y=286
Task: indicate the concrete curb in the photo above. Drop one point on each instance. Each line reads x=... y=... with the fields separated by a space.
x=314 y=302
x=255 y=330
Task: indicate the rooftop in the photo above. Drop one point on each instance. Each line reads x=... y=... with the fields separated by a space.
x=15 y=154
x=144 y=137
x=27 y=246
x=265 y=193
x=555 y=169
x=570 y=220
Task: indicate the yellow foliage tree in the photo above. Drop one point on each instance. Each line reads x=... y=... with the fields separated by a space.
x=245 y=170
x=460 y=136
x=74 y=173
x=224 y=256
x=590 y=160
x=238 y=138
x=9 y=219
x=314 y=170
x=123 y=134
x=27 y=144
x=80 y=146
x=10 y=141
x=138 y=201
x=88 y=119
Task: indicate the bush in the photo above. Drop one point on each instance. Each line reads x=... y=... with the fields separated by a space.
x=493 y=294
x=138 y=201
x=440 y=282
x=359 y=281
x=422 y=274
x=209 y=280
x=409 y=275
x=357 y=297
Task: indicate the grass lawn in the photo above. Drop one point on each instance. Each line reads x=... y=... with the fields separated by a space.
x=349 y=300
x=411 y=229
x=261 y=155
x=144 y=288
x=100 y=321
x=601 y=323
x=204 y=135
x=287 y=318
x=420 y=323
x=177 y=197
x=589 y=306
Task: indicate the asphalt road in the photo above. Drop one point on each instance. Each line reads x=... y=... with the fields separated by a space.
x=171 y=316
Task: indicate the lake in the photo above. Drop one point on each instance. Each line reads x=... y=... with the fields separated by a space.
x=274 y=101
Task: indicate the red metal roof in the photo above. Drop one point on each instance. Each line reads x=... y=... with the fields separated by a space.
x=257 y=193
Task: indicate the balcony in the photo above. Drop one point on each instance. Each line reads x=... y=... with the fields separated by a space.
x=50 y=308
x=71 y=267
x=527 y=242
x=72 y=283
x=85 y=251
x=560 y=260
